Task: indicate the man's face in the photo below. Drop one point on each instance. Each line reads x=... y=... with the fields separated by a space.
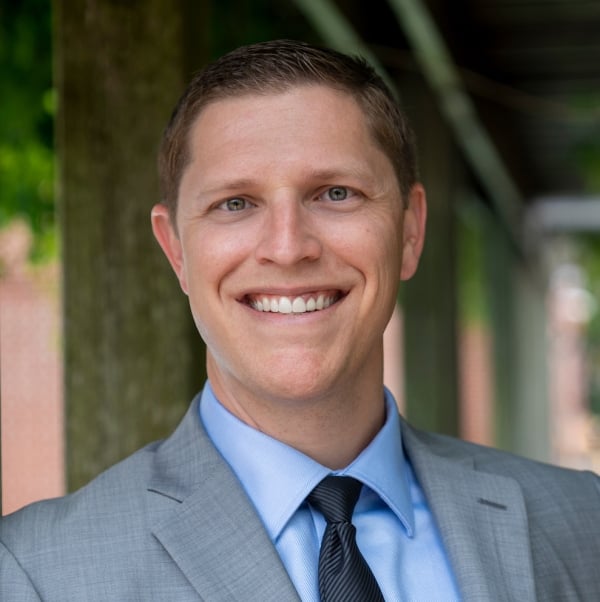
x=291 y=239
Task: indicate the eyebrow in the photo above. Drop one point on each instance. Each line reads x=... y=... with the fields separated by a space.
x=227 y=186
x=333 y=174
x=326 y=175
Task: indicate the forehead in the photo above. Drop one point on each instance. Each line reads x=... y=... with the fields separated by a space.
x=274 y=89
x=319 y=97
x=296 y=140
x=284 y=123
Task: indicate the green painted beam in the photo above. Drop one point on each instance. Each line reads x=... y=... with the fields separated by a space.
x=439 y=70
x=335 y=29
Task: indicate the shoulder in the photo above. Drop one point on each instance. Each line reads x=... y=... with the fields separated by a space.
x=118 y=492
x=58 y=545
x=116 y=497
x=554 y=512
x=106 y=540
x=542 y=484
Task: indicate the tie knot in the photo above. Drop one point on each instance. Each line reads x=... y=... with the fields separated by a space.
x=335 y=498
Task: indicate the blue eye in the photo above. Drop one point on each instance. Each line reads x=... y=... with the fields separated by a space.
x=234 y=204
x=337 y=193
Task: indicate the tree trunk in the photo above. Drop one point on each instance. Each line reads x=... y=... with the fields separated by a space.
x=132 y=358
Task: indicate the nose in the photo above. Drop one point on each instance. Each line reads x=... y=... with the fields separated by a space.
x=288 y=234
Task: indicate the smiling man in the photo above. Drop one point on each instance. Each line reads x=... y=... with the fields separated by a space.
x=291 y=212
x=290 y=237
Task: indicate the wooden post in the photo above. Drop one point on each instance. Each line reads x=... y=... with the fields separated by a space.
x=531 y=423
x=500 y=262
x=517 y=307
x=132 y=360
x=430 y=298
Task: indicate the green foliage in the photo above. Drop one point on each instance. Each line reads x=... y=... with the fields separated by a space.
x=27 y=106
x=471 y=269
x=589 y=257
x=588 y=158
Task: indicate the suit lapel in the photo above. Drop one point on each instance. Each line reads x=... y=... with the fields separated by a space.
x=210 y=529
x=481 y=518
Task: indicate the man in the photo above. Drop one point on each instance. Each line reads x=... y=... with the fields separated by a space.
x=291 y=211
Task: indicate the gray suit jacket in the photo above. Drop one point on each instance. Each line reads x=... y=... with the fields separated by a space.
x=171 y=523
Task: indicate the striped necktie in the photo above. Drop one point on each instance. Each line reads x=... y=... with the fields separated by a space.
x=344 y=575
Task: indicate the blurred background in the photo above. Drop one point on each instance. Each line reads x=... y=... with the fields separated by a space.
x=497 y=338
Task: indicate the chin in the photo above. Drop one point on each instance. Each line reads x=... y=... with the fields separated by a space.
x=296 y=381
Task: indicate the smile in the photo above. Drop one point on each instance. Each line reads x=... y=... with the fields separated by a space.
x=293 y=305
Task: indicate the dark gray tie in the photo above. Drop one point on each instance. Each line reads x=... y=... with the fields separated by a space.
x=344 y=575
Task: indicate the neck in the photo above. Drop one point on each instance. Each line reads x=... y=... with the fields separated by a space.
x=332 y=427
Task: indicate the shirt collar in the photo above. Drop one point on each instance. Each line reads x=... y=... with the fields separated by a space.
x=277 y=478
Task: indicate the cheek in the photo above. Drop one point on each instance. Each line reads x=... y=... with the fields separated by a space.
x=382 y=266
x=211 y=255
x=371 y=248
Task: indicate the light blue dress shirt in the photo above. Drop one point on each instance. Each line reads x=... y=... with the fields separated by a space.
x=396 y=531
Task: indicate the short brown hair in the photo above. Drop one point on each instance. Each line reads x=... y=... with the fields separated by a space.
x=275 y=66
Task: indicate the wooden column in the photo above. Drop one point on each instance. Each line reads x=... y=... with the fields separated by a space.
x=430 y=298
x=132 y=359
x=518 y=312
x=531 y=422
x=500 y=262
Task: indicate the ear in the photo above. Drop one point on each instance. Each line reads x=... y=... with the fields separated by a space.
x=413 y=231
x=168 y=239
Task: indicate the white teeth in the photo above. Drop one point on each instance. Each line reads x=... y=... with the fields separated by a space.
x=298 y=306
x=286 y=305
